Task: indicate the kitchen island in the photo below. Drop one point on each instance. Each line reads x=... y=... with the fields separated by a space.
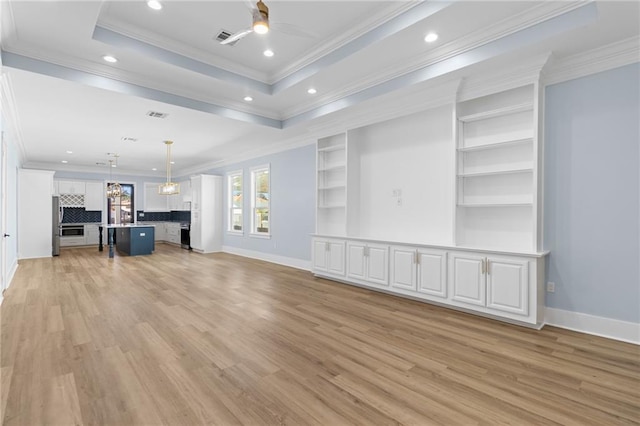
x=131 y=239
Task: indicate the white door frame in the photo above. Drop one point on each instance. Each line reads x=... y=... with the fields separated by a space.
x=3 y=214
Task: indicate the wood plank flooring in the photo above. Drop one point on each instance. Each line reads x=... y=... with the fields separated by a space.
x=181 y=338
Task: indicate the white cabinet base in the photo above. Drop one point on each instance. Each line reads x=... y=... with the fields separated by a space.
x=495 y=285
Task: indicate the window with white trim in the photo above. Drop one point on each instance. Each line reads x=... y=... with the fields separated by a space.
x=260 y=200
x=235 y=194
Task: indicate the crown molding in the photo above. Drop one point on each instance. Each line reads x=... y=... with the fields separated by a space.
x=538 y=13
x=8 y=30
x=478 y=85
x=614 y=55
x=326 y=47
x=56 y=167
x=10 y=113
x=286 y=145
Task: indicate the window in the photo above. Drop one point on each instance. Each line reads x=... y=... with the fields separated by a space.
x=260 y=200
x=121 y=208
x=234 y=191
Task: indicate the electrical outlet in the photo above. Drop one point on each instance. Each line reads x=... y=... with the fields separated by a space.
x=551 y=287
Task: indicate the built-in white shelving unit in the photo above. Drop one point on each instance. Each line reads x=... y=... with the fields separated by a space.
x=332 y=184
x=440 y=205
x=496 y=169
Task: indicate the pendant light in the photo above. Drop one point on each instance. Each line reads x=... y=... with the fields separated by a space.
x=169 y=188
x=113 y=189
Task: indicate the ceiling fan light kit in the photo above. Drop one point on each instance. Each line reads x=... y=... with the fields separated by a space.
x=261 y=18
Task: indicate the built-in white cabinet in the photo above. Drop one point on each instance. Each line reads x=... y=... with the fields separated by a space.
x=497 y=283
x=368 y=262
x=160 y=233
x=206 y=213
x=419 y=269
x=172 y=234
x=71 y=187
x=95 y=196
x=329 y=256
x=91 y=234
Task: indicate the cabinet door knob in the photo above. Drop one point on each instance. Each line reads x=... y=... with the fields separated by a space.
x=6 y=235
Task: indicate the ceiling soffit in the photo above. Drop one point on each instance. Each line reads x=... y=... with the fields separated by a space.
x=578 y=16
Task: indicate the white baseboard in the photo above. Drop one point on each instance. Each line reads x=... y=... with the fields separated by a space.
x=273 y=258
x=12 y=272
x=590 y=324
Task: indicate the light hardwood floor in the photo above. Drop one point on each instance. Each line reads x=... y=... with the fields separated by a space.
x=182 y=338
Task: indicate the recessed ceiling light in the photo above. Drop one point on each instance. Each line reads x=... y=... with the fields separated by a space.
x=312 y=91
x=431 y=37
x=65 y=161
x=154 y=169
x=114 y=165
x=69 y=152
x=109 y=59
x=248 y=98
x=154 y=4
x=173 y=162
x=268 y=53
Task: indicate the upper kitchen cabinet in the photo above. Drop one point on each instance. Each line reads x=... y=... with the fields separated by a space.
x=71 y=187
x=95 y=196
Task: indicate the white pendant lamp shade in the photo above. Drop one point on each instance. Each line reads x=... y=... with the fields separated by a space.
x=169 y=188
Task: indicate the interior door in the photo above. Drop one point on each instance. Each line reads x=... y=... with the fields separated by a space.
x=3 y=214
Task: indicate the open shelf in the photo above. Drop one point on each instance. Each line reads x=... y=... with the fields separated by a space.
x=332 y=168
x=331 y=148
x=511 y=109
x=497 y=145
x=496 y=205
x=332 y=206
x=331 y=187
x=495 y=172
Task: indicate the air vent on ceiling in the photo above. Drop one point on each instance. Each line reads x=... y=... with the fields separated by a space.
x=223 y=35
x=128 y=139
x=156 y=114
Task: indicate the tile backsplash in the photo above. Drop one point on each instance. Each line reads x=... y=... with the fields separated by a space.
x=172 y=216
x=80 y=215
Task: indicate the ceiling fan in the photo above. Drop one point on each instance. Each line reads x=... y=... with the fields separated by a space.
x=260 y=25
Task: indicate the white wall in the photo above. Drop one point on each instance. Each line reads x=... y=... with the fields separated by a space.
x=413 y=154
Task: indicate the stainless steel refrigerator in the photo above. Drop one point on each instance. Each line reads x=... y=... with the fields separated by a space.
x=56 y=216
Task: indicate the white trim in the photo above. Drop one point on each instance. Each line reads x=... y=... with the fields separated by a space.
x=614 y=55
x=9 y=277
x=590 y=324
x=267 y=257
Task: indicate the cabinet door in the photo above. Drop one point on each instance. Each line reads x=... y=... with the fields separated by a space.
x=467 y=277
x=403 y=268
x=335 y=257
x=508 y=285
x=71 y=187
x=356 y=260
x=432 y=272
x=94 y=196
x=320 y=255
x=377 y=261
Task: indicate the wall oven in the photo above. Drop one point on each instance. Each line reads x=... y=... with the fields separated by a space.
x=185 y=236
x=71 y=231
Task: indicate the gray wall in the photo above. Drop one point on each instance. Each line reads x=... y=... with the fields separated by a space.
x=292 y=216
x=592 y=194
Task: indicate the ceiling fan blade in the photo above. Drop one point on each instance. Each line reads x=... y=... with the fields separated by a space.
x=237 y=36
x=292 y=29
